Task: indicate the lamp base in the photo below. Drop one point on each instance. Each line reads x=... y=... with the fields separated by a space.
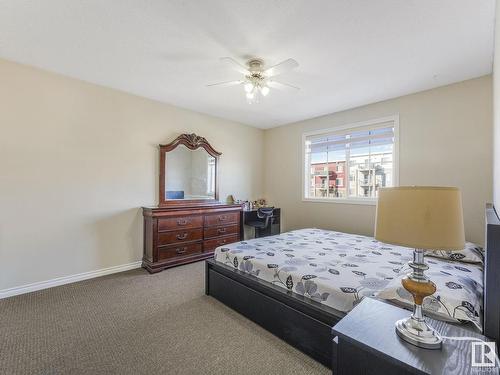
x=417 y=332
x=414 y=329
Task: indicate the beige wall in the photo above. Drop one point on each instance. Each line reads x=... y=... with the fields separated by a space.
x=78 y=160
x=496 y=113
x=445 y=139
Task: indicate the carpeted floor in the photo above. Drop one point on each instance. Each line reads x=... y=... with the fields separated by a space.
x=136 y=323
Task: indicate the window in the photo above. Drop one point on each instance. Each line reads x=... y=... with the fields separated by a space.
x=351 y=163
x=211 y=176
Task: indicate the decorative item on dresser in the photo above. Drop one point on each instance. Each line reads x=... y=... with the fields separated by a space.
x=187 y=226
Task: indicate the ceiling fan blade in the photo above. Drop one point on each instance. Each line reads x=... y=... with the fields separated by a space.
x=236 y=65
x=280 y=85
x=226 y=84
x=281 y=68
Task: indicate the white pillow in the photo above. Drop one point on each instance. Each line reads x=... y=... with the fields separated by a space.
x=472 y=253
x=459 y=291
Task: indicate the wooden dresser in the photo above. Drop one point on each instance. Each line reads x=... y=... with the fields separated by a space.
x=184 y=234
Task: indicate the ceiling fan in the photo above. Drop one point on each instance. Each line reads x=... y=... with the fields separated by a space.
x=257 y=79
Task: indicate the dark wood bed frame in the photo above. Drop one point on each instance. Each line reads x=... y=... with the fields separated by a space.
x=306 y=324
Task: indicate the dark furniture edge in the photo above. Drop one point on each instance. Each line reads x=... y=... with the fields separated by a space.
x=375 y=351
x=491 y=307
x=152 y=267
x=302 y=323
x=148 y=211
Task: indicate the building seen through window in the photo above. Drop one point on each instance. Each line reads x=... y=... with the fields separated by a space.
x=350 y=164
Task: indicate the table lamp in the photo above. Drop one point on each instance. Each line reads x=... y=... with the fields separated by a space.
x=423 y=218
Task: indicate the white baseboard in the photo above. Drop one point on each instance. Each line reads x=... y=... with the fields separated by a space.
x=66 y=280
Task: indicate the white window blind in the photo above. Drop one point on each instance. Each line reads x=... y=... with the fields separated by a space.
x=351 y=163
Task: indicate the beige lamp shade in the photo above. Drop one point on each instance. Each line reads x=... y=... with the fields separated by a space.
x=422 y=217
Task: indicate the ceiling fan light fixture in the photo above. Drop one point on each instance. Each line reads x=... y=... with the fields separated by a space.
x=248 y=87
x=258 y=80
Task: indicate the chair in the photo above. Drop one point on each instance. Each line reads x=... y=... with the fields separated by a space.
x=174 y=194
x=261 y=226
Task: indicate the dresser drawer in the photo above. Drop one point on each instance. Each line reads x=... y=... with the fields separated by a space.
x=210 y=245
x=178 y=251
x=180 y=223
x=221 y=231
x=222 y=219
x=185 y=235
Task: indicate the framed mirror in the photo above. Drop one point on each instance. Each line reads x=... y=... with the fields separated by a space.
x=188 y=171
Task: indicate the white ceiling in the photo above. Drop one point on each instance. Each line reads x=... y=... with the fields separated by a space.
x=351 y=52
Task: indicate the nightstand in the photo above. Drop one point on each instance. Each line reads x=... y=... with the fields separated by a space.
x=366 y=343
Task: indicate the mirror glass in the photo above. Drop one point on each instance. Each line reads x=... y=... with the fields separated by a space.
x=189 y=174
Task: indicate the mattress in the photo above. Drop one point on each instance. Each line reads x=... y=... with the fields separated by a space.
x=340 y=269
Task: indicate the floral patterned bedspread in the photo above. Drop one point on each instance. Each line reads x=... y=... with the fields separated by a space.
x=339 y=269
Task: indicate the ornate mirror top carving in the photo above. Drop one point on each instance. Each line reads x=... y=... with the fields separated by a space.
x=191 y=141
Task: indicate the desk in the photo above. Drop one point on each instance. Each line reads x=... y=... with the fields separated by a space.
x=251 y=215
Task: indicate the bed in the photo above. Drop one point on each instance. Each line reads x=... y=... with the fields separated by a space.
x=299 y=284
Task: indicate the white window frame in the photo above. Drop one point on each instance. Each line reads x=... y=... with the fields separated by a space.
x=354 y=127
x=210 y=175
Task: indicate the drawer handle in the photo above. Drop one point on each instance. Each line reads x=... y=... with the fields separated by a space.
x=221 y=230
x=223 y=218
x=182 y=222
x=182 y=236
x=181 y=250
x=222 y=242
